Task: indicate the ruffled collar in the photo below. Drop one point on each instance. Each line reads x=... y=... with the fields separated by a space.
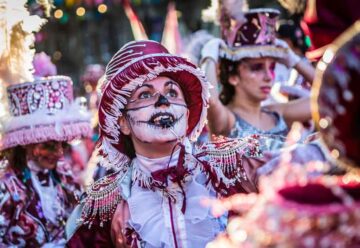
x=147 y=219
x=149 y=165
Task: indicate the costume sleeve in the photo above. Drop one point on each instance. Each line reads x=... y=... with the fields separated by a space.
x=231 y=164
x=90 y=224
x=95 y=236
x=6 y=212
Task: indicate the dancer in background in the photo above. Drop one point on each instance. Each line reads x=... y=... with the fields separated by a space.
x=244 y=63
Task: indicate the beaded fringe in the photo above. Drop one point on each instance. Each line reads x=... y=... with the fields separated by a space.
x=102 y=200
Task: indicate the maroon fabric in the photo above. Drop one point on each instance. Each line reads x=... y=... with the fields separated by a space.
x=329 y=19
x=95 y=237
x=249 y=32
x=341 y=78
x=24 y=221
x=317 y=194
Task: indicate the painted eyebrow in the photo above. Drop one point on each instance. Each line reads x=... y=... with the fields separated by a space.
x=145 y=85
x=170 y=82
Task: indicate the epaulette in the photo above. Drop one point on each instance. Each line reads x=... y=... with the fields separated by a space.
x=225 y=149
x=224 y=155
x=101 y=199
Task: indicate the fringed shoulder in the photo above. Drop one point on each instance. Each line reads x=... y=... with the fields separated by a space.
x=223 y=158
x=223 y=149
x=102 y=199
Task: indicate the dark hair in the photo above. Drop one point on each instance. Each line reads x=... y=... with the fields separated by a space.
x=292 y=31
x=16 y=157
x=129 y=149
x=227 y=68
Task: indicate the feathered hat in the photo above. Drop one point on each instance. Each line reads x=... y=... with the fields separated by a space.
x=39 y=109
x=135 y=63
x=248 y=33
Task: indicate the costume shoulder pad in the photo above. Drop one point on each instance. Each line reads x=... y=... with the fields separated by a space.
x=222 y=148
x=222 y=159
x=102 y=198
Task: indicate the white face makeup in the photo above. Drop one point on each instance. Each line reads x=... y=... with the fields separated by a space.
x=157 y=112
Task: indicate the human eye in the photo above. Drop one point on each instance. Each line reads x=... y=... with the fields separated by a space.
x=144 y=95
x=172 y=93
x=256 y=67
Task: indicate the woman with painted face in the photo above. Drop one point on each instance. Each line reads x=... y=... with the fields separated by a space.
x=153 y=105
x=244 y=63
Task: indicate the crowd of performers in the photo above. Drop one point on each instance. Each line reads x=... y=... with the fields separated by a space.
x=125 y=167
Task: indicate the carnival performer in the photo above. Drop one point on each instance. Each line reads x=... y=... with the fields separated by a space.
x=153 y=105
x=309 y=205
x=37 y=192
x=244 y=62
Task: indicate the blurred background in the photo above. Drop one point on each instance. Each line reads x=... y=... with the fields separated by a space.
x=82 y=32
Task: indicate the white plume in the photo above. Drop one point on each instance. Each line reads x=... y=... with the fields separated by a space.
x=234 y=8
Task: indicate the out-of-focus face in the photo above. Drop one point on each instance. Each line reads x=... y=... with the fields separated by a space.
x=157 y=112
x=46 y=154
x=255 y=77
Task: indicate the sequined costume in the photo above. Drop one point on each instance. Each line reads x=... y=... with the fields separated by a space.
x=272 y=139
x=23 y=220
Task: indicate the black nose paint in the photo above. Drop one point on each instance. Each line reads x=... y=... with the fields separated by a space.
x=162 y=101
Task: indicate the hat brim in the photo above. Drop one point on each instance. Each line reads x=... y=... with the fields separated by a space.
x=65 y=125
x=252 y=51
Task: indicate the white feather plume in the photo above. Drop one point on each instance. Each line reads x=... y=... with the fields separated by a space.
x=17 y=41
x=16 y=47
x=234 y=8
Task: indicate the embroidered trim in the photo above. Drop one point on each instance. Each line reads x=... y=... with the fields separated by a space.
x=102 y=199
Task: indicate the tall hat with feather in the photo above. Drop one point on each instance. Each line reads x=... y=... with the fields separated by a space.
x=248 y=33
x=39 y=109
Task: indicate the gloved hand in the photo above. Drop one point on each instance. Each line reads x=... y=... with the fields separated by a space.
x=291 y=58
x=296 y=91
x=211 y=49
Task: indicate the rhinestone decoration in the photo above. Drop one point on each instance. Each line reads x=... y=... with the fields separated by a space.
x=51 y=94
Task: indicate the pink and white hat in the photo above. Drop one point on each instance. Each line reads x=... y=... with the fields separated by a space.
x=135 y=63
x=248 y=33
x=41 y=111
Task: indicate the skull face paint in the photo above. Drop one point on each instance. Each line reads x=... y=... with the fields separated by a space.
x=157 y=111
